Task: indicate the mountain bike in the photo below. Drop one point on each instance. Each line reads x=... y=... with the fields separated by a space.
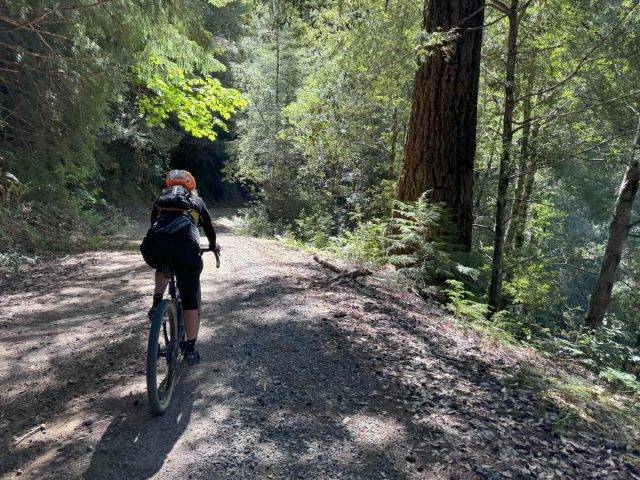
x=165 y=350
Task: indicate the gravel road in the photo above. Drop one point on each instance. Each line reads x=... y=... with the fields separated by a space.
x=278 y=394
x=300 y=379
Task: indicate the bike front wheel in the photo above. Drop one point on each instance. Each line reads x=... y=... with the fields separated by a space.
x=163 y=353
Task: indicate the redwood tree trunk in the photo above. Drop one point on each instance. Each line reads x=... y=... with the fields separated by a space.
x=495 y=287
x=441 y=134
x=618 y=231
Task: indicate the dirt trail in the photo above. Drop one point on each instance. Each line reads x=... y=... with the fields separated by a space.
x=300 y=379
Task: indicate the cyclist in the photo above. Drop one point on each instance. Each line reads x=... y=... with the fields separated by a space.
x=173 y=240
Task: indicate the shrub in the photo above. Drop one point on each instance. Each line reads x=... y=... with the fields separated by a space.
x=365 y=244
x=254 y=220
x=314 y=228
x=519 y=326
x=604 y=347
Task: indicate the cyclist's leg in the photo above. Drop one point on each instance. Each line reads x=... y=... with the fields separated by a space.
x=155 y=255
x=161 y=283
x=188 y=279
x=191 y=324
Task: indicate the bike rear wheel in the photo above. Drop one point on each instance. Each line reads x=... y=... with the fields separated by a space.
x=163 y=352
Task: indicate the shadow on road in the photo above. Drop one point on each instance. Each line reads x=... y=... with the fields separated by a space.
x=136 y=444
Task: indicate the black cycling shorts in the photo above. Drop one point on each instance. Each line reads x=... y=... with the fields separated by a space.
x=182 y=255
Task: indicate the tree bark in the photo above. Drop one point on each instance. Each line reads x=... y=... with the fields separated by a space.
x=441 y=134
x=495 y=286
x=618 y=230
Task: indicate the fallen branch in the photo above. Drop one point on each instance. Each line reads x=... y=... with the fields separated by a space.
x=361 y=272
x=34 y=430
x=328 y=265
x=342 y=274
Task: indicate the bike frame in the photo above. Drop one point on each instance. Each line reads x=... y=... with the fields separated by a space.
x=172 y=354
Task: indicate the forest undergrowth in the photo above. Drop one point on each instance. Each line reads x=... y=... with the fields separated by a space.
x=33 y=230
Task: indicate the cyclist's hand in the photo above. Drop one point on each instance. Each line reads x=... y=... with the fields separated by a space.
x=216 y=252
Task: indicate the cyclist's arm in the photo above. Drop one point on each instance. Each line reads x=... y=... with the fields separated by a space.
x=207 y=224
x=154 y=213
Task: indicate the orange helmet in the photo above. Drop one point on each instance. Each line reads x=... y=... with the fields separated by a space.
x=181 y=177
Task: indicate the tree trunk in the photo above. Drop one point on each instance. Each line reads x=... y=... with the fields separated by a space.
x=495 y=287
x=618 y=231
x=441 y=134
x=530 y=176
x=523 y=164
x=395 y=130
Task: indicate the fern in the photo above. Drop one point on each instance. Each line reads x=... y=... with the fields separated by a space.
x=619 y=380
x=463 y=304
x=421 y=244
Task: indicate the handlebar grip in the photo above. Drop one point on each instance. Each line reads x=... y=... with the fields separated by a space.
x=215 y=252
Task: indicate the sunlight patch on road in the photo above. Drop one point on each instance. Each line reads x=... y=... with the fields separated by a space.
x=268 y=454
x=214 y=413
x=373 y=430
x=53 y=441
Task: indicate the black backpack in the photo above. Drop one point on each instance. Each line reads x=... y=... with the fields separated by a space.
x=176 y=197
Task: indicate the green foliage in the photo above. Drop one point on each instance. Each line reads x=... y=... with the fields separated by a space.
x=531 y=287
x=578 y=149
x=365 y=244
x=199 y=104
x=73 y=99
x=605 y=347
x=421 y=244
x=463 y=303
x=314 y=228
x=253 y=220
x=520 y=327
x=622 y=381
x=329 y=96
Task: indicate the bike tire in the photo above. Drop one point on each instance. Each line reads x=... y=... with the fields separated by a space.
x=159 y=396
